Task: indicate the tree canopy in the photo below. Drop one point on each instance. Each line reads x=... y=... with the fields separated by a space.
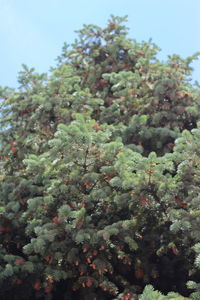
x=100 y=174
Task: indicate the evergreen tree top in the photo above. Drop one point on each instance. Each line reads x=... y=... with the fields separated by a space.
x=99 y=186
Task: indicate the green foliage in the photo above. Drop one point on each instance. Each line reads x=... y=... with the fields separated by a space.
x=99 y=185
x=150 y=294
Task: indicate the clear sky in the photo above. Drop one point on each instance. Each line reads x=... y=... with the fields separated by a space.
x=33 y=31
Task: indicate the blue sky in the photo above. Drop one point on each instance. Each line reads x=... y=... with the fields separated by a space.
x=33 y=31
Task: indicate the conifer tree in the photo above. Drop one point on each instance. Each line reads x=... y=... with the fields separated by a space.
x=99 y=186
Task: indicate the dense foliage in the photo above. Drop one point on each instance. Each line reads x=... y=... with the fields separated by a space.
x=100 y=174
